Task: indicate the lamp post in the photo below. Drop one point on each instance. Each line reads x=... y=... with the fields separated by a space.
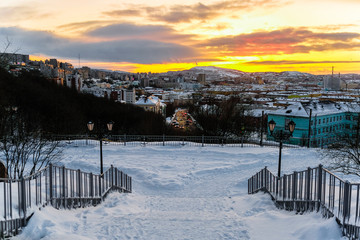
x=100 y=136
x=281 y=136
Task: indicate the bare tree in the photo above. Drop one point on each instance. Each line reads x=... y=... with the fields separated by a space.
x=25 y=148
x=5 y=57
x=344 y=155
x=225 y=118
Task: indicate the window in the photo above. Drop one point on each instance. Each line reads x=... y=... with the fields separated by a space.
x=319 y=121
x=311 y=123
x=323 y=120
x=331 y=119
x=319 y=131
x=327 y=120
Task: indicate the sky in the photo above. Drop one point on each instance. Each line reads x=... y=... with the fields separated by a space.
x=159 y=36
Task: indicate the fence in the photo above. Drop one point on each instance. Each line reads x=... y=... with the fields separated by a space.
x=167 y=140
x=58 y=186
x=313 y=189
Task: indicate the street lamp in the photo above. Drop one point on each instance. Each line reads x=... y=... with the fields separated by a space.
x=100 y=135
x=281 y=136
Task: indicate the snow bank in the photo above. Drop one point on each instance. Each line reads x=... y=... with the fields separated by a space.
x=184 y=193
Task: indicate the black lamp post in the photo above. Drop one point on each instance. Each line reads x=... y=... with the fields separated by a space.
x=100 y=136
x=281 y=136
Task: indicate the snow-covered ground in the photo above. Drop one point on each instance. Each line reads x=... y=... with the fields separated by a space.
x=183 y=193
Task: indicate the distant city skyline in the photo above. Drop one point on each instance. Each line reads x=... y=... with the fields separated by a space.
x=159 y=36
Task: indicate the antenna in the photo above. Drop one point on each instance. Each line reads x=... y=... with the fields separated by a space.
x=332 y=74
x=79 y=61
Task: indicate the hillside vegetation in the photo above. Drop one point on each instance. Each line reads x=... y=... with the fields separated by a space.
x=59 y=110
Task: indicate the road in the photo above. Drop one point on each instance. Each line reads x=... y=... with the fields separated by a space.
x=183 y=120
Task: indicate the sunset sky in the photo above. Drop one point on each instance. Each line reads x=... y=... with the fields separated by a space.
x=158 y=36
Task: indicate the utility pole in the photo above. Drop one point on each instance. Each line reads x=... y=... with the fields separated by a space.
x=357 y=131
x=309 y=133
x=261 y=128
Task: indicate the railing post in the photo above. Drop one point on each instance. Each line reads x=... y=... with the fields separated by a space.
x=112 y=175
x=23 y=198
x=284 y=187
x=202 y=140
x=347 y=203
x=294 y=184
x=124 y=139
x=63 y=186
x=130 y=178
x=5 y=214
x=277 y=187
x=91 y=185
x=116 y=177
x=100 y=193
x=50 y=183
x=79 y=185
x=319 y=194
x=266 y=178
x=308 y=184
x=163 y=139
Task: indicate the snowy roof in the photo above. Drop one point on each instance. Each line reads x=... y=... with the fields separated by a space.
x=152 y=100
x=302 y=109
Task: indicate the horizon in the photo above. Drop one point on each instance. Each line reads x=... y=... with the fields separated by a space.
x=158 y=36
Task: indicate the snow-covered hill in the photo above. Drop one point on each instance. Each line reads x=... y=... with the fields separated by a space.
x=221 y=72
x=183 y=192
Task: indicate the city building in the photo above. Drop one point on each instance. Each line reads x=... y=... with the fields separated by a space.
x=321 y=122
x=152 y=103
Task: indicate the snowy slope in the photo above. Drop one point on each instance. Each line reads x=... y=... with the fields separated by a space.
x=183 y=193
x=221 y=72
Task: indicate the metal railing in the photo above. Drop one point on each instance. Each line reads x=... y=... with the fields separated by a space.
x=57 y=186
x=314 y=189
x=168 y=140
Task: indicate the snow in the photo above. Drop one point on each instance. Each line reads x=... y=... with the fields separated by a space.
x=184 y=192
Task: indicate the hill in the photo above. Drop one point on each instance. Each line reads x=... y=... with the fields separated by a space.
x=59 y=110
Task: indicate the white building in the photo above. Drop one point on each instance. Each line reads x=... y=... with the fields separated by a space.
x=152 y=103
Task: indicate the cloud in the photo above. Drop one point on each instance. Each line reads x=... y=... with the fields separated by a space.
x=133 y=50
x=125 y=31
x=83 y=25
x=19 y=13
x=295 y=62
x=283 y=41
x=195 y=12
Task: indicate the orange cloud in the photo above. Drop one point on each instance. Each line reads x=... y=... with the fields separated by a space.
x=283 y=41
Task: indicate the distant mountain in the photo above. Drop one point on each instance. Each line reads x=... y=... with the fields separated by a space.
x=296 y=74
x=222 y=72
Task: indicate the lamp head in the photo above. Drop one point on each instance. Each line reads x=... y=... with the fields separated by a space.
x=90 y=126
x=110 y=125
x=272 y=125
x=292 y=126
